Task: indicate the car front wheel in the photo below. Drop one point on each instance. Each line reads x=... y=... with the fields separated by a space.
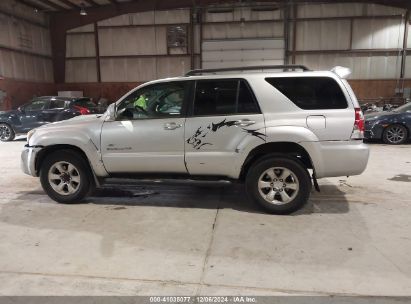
x=65 y=177
x=6 y=132
x=395 y=135
x=279 y=185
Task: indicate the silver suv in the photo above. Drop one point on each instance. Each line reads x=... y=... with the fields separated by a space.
x=275 y=128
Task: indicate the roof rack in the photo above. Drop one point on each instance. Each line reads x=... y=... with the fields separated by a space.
x=292 y=67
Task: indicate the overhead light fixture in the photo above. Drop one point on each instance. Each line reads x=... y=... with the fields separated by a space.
x=36 y=10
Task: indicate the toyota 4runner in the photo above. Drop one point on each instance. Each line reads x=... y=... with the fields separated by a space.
x=275 y=128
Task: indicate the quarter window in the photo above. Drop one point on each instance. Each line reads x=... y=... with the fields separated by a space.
x=223 y=97
x=311 y=93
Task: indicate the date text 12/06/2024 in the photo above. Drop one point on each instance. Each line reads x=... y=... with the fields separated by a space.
x=203 y=299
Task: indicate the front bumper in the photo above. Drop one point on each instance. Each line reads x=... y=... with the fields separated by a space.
x=28 y=160
x=373 y=130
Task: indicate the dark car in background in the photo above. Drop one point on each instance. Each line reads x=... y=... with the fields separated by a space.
x=43 y=110
x=393 y=127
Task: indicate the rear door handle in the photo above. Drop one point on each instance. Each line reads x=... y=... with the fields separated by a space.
x=172 y=126
x=244 y=122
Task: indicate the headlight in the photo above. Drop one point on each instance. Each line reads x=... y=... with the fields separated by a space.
x=30 y=134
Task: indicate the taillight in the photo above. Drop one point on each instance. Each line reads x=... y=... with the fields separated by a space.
x=358 y=130
x=82 y=110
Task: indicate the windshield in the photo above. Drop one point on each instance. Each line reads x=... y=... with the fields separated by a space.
x=403 y=108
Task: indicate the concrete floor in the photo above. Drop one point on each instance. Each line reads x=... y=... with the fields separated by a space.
x=353 y=238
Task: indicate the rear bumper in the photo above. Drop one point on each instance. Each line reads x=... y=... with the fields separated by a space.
x=28 y=160
x=338 y=158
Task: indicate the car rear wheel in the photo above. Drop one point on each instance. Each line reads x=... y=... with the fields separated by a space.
x=6 y=132
x=65 y=177
x=395 y=135
x=279 y=185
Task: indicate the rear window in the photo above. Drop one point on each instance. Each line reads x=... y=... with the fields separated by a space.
x=84 y=102
x=311 y=93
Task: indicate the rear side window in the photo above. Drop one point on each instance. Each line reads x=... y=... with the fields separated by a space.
x=311 y=93
x=223 y=97
x=84 y=102
x=57 y=104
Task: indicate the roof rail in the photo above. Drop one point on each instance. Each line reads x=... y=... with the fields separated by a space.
x=249 y=68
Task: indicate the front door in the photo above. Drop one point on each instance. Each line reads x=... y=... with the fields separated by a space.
x=32 y=115
x=148 y=134
x=224 y=119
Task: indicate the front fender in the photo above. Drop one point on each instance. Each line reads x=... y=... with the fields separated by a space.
x=78 y=139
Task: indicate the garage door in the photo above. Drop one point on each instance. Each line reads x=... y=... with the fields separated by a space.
x=242 y=52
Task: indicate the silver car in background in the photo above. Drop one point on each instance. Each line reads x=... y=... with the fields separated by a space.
x=277 y=129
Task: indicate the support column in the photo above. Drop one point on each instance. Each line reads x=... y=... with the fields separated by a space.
x=97 y=47
x=405 y=44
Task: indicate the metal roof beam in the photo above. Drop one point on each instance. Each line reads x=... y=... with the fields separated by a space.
x=52 y=5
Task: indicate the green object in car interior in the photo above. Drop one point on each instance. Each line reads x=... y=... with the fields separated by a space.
x=141 y=102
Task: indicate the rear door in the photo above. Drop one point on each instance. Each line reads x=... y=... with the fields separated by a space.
x=224 y=113
x=55 y=110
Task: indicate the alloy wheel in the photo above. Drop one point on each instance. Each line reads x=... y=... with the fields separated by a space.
x=5 y=132
x=395 y=134
x=278 y=185
x=64 y=178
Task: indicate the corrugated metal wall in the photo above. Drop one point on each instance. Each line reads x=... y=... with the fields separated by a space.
x=133 y=47
x=25 y=51
x=350 y=41
x=242 y=37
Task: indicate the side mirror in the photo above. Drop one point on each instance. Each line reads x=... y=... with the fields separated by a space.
x=111 y=112
x=20 y=109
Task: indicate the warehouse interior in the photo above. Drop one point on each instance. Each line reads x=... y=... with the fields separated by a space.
x=217 y=186
x=104 y=48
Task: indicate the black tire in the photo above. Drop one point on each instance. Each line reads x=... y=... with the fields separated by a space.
x=299 y=172
x=86 y=182
x=395 y=135
x=6 y=132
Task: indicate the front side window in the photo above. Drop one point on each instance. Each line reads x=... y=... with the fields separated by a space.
x=223 y=97
x=156 y=101
x=36 y=105
x=311 y=93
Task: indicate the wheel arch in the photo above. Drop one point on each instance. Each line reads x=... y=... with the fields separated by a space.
x=285 y=149
x=396 y=123
x=53 y=148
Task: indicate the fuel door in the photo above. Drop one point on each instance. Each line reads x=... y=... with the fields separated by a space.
x=316 y=122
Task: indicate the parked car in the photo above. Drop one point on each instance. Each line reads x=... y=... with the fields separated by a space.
x=276 y=132
x=393 y=127
x=40 y=111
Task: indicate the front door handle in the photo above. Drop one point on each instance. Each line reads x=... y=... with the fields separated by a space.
x=244 y=122
x=172 y=126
